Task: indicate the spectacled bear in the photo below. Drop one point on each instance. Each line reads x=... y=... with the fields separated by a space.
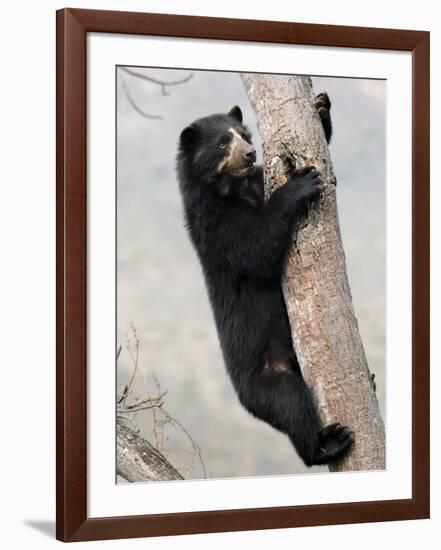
x=242 y=241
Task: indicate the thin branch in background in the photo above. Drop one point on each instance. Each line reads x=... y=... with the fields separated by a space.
x=158 y=81
x=145 y=404
x=167 y=418
x=195 y=446
x=135 y=361
x=163 y=84
x=125 y=388
x=124 y=394
x=159 y=422
x=155 y=404
x=134 y=104
x=118 y=352
x=135 y=408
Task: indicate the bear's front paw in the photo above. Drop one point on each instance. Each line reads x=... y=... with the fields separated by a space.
x=322 y=102
x=307 y=183
x=323 y=105
x=334 y=441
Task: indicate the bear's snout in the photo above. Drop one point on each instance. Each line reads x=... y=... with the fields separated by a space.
x=251 y=155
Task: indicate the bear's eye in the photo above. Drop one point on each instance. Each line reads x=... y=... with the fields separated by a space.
x=222 y=144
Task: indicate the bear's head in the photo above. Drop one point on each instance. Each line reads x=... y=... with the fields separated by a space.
x=217 y=146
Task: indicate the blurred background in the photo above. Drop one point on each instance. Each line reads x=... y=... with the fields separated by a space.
x=164 y=320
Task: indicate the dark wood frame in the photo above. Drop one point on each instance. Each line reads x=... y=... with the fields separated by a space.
x=72 y=28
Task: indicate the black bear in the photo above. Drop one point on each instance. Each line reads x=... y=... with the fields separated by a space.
x=242 y=242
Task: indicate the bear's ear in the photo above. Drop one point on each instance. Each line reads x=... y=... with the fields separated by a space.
x=189 y=137
x=236 y=113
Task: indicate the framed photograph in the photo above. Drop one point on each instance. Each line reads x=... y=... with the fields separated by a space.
x=242 y=274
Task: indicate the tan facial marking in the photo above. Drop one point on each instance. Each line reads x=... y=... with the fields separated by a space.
x=235 y=161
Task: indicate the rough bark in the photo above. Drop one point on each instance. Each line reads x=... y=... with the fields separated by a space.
x=316 y=289
x=137 y=460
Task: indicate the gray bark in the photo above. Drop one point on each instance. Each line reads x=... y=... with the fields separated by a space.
x=137 y=460
x=316 y=289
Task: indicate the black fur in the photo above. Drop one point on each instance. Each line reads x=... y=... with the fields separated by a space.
x=323 y=106
x=241 y=243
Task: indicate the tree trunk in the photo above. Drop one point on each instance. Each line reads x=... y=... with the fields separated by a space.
x=137 y=460
x=316 y=289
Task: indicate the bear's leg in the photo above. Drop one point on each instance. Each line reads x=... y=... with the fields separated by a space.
x=283 y=400
x=332 y=441
x=279 y=396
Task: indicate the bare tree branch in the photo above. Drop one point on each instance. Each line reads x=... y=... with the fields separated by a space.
x=134 y=104
x=162 y=83
x=143 y=405
x=137 y=460
x=158 y=81
x=195 y=446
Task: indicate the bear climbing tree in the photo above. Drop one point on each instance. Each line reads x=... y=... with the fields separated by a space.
x=316 y=289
